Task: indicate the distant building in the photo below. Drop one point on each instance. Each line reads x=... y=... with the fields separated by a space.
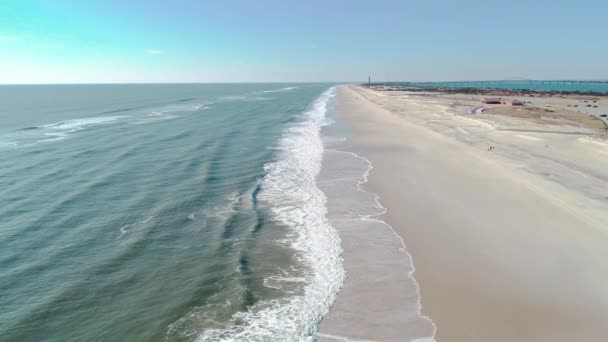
x=491 y=100
x=514 y=102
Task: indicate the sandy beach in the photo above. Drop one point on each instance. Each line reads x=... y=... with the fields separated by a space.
x=508 y=244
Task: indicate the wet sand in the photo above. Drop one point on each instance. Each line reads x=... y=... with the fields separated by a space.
x=503 y=249
x=379 y=299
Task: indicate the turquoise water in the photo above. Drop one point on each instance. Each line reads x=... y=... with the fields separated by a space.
x=568 y=86
x=163 y=212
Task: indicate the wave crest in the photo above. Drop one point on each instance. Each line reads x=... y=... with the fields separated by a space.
x=290 y=191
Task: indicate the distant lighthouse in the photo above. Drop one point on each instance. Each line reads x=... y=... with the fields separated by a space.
x=369 y=81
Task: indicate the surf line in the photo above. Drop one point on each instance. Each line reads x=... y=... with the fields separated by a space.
x=372 y=217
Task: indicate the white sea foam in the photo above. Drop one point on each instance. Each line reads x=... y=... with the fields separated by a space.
x=170 y=112
x=146 y=220
x=77 y=124
x=61 y=137
x=156 y=116
x=219 y=212
x=280 y=90
x=202 y=106
x=283 y=283
x=61 y=130
x=123 y=230
x=224 y=211
x=289 y=189
x=244 y=98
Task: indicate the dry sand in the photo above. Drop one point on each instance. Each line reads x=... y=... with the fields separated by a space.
x=509 y=245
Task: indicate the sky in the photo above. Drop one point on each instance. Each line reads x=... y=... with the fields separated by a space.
x=124 y=41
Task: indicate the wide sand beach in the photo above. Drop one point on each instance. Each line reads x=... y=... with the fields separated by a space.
x=509 y=244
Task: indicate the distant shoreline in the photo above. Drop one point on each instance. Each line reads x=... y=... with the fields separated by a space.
x=491 y=91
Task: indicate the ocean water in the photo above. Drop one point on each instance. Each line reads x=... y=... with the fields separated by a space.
x=568 y=86
x=164 y=213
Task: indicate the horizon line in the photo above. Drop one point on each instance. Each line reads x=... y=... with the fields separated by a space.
x=151 y=83
x=312 y=82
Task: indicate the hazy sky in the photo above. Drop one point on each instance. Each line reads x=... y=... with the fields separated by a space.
x=60 y=41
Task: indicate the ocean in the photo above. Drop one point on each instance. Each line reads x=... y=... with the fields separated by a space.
x=186 y=212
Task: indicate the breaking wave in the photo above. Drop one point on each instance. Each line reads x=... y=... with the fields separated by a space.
x=289 y=189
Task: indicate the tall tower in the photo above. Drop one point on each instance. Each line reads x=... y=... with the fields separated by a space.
x=369 y=81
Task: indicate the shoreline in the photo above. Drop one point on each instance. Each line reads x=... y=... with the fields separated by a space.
x=487 y=240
